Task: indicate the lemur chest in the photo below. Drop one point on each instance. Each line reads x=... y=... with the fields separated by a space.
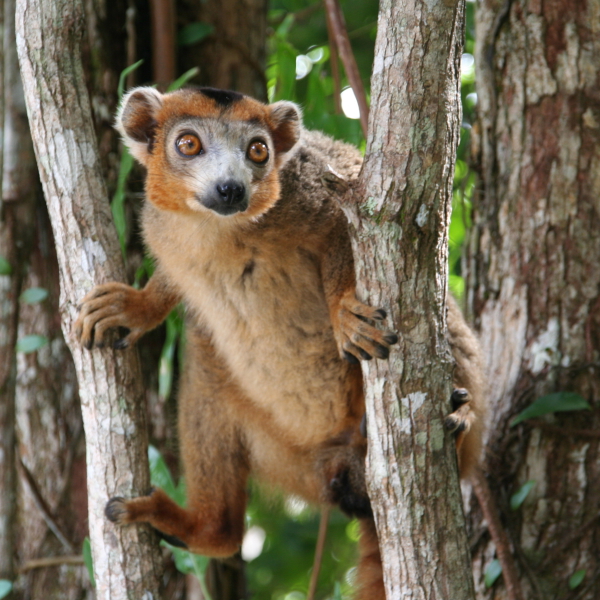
x=265 y=308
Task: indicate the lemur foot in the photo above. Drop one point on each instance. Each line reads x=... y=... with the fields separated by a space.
x=460 y=420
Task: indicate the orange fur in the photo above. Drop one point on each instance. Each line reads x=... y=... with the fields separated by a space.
x=261 y=258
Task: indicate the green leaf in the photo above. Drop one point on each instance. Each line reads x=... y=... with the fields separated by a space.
x=557 y=402
x=492 y=572
x=31 y=343
x=87 y=559
x=194 y=33
x=519 y=496
x=337 y=591
x=5 y=269
x=181 y=81
x=160 y=476
x=574 y=581
x=123 y=77
x=5 y=587
x=34 y=295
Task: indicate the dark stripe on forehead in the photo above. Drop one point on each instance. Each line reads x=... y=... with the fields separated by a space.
x=222 y=97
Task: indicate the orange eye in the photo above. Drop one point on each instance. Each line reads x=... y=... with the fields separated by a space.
x=188 y=145
x=258 y=152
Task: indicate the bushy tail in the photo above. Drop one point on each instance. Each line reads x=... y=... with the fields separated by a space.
x=369 y=571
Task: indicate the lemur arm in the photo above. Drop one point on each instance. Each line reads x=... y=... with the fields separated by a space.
x=119 y=305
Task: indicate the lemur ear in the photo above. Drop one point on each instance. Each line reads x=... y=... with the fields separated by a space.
x=286 y=123
x=136 y=120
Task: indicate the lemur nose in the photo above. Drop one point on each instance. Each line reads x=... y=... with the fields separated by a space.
x=231 y=192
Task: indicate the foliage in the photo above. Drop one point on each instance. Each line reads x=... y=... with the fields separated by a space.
x=519 y=496
x=492 y=572
x=34 y=295
x=576 y=579
x=5 y=268
x=87 y=559
x=5 y=588
x=551 y=403
x=31 y=343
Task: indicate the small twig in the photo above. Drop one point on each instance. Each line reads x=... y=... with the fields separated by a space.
x=314 y=577
x=555 y=552
x=51 y=561
x=299 y=15
x=499 y=537
x=130 y=15
x=44 y=509
x=334 y=13
x=163 y=40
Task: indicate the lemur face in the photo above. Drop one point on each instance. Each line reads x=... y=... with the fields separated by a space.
x=209 y=151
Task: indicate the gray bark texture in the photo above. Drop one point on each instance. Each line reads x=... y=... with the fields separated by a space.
x=48 y=43
x=399 y=228
x=534 y=283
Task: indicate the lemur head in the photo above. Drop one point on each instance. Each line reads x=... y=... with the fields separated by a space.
x=209 y=151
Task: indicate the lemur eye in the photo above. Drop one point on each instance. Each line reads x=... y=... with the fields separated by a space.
x=188 y=144
x=258 y=152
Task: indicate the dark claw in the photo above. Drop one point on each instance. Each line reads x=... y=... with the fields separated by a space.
x=390 y=338
x=365 y=355
x=351 y=358
x=382 y=351
x=380 y=314
x=114 y=509
x=170 y=539
x=89 y=345
x=454 y=425
x=121 y=344
x=363 y=426
x=459 y=397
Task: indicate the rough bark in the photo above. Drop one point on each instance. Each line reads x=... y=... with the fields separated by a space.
x=399 y=229
x=48 y=42
x=234 y=55
x=534 y=281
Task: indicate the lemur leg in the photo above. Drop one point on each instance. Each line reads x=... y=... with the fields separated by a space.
x=215 y=463
x=469 y=404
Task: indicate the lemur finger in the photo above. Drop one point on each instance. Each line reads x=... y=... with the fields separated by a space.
x=350 y=350
x=129 y=340
x=103 y=289
x=363 y=310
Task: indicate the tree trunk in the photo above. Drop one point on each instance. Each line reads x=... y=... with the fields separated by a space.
x=534 y=281
x=125 y=560
x=400 y=238
x=234 y=56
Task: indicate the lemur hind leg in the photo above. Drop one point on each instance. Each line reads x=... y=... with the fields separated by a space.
x=215 y=464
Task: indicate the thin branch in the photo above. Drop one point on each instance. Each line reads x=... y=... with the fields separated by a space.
x=43 y=507
x=335 y=67
x=163 y=40
x=338 y=25
x=499 y=537
x=314 y=577
x=51 y=561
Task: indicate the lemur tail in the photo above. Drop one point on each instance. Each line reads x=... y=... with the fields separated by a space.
x=369 y=570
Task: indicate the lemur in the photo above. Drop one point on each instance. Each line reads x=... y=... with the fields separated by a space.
x=245 y=233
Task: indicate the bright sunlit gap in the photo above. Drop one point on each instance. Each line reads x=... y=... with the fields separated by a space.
x=253 y=543
x=349 y=104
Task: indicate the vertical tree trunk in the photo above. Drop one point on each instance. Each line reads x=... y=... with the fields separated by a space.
x=534 y=281
x=399 y=227
x=125 y=560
